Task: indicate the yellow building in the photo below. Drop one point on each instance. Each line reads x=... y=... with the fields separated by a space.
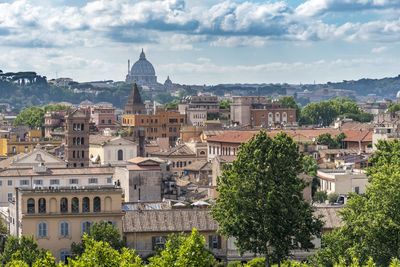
x=58 y=216
x=16 y=144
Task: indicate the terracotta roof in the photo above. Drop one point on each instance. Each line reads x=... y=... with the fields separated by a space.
x=180 y=150
x=143 y=168
x=57 y=171
x=358 y=135
x=354 y=125
x=233 y=137
x=174 y=220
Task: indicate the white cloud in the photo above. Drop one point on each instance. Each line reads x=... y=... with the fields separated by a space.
x=378 y=50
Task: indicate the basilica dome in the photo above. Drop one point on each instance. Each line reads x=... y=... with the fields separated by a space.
x=143 y=67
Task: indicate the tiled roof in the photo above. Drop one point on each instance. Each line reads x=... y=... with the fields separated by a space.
x=358 y=135
x=174 y=220
x=141 y=160
x=330 y=216
x=199 y=165
x=183 y=220
x=57 y=171
x=180 y=150
x=99 y=139
x=233 y=137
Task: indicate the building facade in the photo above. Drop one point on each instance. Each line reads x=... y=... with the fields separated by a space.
x=77 y=139
x=260 y=111
x=111 y=150
x=162 y=124
x=57 y=217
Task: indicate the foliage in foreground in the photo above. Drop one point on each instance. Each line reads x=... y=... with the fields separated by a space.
x=184 y=251
x=261 y=200
x=371 y=222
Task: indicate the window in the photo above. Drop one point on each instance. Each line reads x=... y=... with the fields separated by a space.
x=23 y=182
x=73 y=181
x=73 y=154
x=9 y=197
x=38 y=182
x=82 y=141
x=214 y=242
x=65 y=255
x=64 y=204
x=86 y=227
x=31 y=206
x=1 y=183
x=120 y=154
x=96 y=204
x=93 y=181
x=357 y=190
x=42 y=229
x=42 y=205
x=83 y=154
x=9 y=182
x=75 y=205
x=54 y=182
x=85 y=204
x=109 y=180
x=64 y=229
x=158 y=242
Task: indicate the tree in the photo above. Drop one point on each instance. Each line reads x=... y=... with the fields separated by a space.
x=332 y=142
x=100 y=253
x=310 y=168
x=101 y=231
x=290 y=102
x=371 y=222
x=184 y=251
x=24 y=249
x=34 y=116
x=225 y=104
x=261 y=201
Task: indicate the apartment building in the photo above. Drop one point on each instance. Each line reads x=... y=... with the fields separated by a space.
x=57 y=217
x=162 y=124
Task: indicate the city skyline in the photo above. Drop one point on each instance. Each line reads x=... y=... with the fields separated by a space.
x=208 y=42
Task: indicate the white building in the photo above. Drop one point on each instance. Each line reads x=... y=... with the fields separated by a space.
x=342 y=181
x=111 y=150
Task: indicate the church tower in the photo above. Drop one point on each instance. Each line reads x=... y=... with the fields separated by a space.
x=135 y=105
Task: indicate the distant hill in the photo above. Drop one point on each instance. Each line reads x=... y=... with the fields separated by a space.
x=385 y=87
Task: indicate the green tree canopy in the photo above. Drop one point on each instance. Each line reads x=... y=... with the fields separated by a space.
x=101 y=254
x=332 y=142
x=225 y=104
x=34 y=116
x=325 y=112
x=184 y=251
x=100 y=231
x=261 y=201
x=23 y=249
x=371 y=222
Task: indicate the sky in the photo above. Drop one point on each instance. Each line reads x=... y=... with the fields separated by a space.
x=203 y=41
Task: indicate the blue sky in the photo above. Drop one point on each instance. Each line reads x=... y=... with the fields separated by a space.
x=203 y=41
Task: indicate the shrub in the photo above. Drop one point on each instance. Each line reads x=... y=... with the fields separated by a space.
x=320 y=196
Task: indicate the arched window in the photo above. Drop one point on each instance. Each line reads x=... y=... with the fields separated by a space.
x=73 y=154
x=85 y=204
x=64 y=229
x=31 y=205
x=120 y=154
x=284 y=117
x=96 y=204
x=86 y=227
x=82 y=141
x=277 y=117
x=42 y=229
x=75 y=205
x=74 y=141
x=64 y=204
x=82 y=127
x=42 y=205
x=78 y=141
x=83 y=154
